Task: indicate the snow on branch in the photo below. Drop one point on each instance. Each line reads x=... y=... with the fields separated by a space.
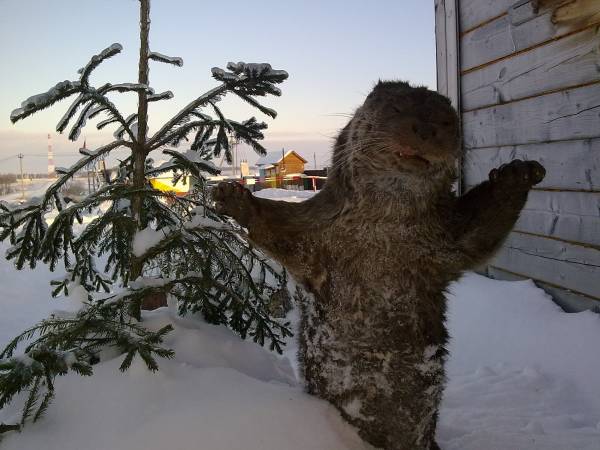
x=258 y=70
x=261 y=77
x=96 y=60
x=41 y=101
x=167 y=95
x=127 y=87
x=175 y=60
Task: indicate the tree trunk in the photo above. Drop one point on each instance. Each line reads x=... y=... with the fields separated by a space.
x=140 y=152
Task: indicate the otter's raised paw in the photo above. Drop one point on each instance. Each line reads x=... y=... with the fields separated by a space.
x=518 y=173
x=233 y=199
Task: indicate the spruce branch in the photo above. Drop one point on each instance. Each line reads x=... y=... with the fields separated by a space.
x=96 y=60
x=178 y=133
x=184 y=114
x=38 y=102
x=83 y=162
x=63 y=344
x=174 y=60
x=167 y=95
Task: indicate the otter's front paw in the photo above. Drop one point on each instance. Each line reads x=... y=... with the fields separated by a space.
x=232 y=199
x=518 y=174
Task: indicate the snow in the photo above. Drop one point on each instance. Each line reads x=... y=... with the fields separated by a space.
x=522 y=374
x=78 y=296
x=38 y=100
x=162 y=96
x=283 y=194
x=143 y=282
x=199 y=221
x=97 y=59
x=175 y=60
x=223 y=75
x=33 y=188
x=145 y=239
x=256 y=69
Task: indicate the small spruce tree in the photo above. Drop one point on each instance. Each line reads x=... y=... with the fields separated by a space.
x=141 y=242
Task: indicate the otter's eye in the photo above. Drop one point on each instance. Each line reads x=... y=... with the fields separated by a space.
x=397 y=109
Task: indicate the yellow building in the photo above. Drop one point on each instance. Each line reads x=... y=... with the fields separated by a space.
x=280 y=164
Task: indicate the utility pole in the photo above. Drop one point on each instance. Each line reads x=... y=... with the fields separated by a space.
x=315 y=159
x=87 y=171
x=20 y=156
x=51 y=167
x=282 y=167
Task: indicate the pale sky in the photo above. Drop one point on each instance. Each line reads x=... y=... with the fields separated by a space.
x=334 y=51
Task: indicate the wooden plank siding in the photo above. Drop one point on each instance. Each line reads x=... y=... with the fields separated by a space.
x=568 y=62
x=474 y=13
x=570 y=165
x=564 y=115
x=568 y=216
x=568 y=300
x=447 y=54
x=562 y=264
x=292 y=164
x=512 y=33
x=529 y=83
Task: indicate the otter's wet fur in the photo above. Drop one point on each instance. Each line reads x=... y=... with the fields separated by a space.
x=377 y=248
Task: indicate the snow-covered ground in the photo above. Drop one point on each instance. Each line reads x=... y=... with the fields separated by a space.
x=31 y=188
x=521 y=375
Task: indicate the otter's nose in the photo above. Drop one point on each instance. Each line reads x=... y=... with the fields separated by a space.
x=424 y=130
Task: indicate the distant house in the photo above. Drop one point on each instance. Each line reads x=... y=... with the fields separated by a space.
x=279 y=164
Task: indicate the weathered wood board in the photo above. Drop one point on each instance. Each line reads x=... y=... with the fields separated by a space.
x=569 y=301
x=571 y=61
x=569 y=114
x=570 y=165
x=476 y=12
x=448 y=80
x=513 y=33
x=554 y=262
x=440 y=47
x=570 y=216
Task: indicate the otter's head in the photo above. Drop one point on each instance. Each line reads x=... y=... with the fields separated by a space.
x=401 y=138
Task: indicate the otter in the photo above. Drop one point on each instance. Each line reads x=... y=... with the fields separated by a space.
x=377 y=248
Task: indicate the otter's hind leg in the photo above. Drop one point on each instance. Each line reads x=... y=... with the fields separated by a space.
x=389 y=390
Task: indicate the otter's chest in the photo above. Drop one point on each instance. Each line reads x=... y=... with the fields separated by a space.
x=390 y=257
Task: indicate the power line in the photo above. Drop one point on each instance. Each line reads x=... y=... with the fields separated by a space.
x=41 y=155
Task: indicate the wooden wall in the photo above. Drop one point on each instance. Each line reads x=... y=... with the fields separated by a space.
x=528 y=81
x=293 y=164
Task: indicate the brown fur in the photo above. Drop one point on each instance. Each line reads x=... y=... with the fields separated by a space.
x=377 y=247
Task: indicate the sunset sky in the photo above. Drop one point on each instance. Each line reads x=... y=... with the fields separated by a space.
x=333 y=50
